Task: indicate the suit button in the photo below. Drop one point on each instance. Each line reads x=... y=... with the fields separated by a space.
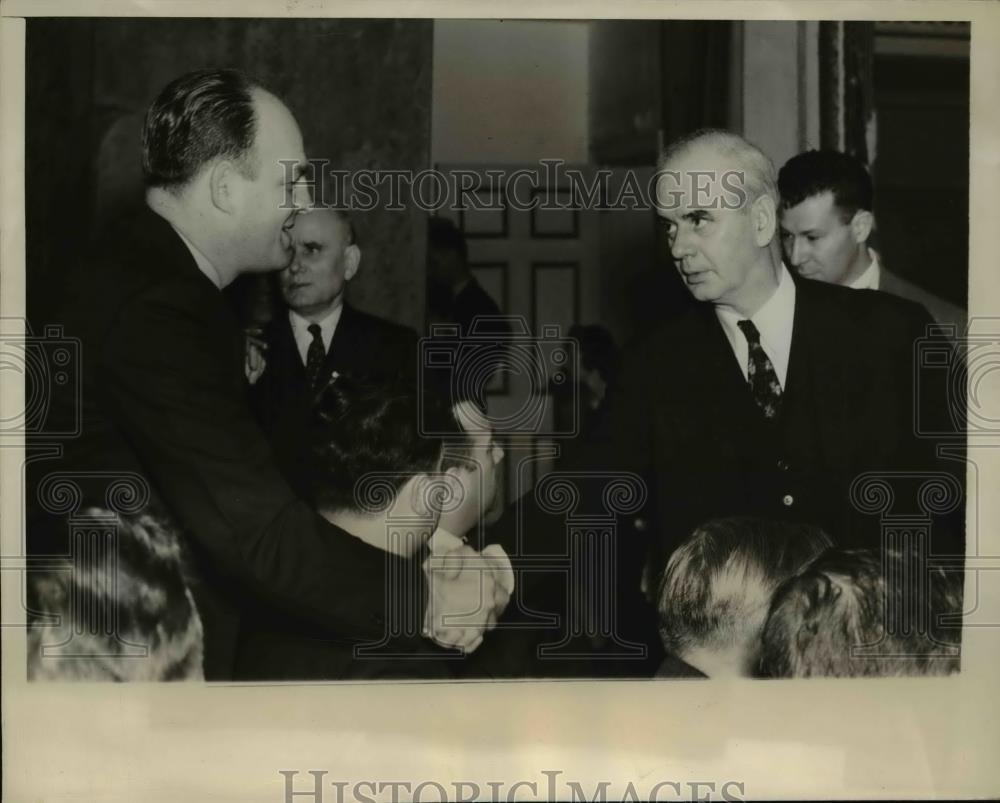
x=640 y=525
x=788 y=500
x=783 y=465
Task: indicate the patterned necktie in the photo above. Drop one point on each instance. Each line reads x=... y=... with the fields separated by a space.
x=760 y=373
x=315 y=356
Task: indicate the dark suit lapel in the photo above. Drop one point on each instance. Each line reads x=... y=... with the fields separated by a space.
x=343 y=348
x=719 y=395
x=288 y=352
x=284 y=375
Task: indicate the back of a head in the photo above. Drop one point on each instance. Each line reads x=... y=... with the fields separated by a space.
x=369 y=441
x=717 y=586
x=197 y=118
x=134 y=578
x=758 y=173
x=856 y=613
x=815 y=172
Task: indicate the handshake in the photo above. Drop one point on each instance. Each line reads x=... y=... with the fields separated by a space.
x=468 y=591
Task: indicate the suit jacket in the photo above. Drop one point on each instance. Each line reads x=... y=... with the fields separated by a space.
x=674 y=667
x=273 y=647
x=943 y=312
x=685 y=417
x=164 y=397
x=362 y=345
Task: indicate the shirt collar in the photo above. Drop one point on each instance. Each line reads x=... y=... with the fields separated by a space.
x=774 y=321
x=774 y=317
x=869 y=280
x=202 y=261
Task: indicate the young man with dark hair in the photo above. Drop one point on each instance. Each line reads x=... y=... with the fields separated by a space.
x=381 y=479
x=859 y=613
x=826 y=220
x=717 y=588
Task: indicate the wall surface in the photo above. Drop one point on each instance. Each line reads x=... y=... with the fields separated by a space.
x=509 y=91
x=778 y=88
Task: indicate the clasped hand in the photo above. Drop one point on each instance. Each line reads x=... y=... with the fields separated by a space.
x=465 y=598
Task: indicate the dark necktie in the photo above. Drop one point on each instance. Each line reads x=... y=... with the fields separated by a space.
x=315 y=356
x=761 y=376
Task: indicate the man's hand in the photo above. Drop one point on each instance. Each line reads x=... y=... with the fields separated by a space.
x=465 y=599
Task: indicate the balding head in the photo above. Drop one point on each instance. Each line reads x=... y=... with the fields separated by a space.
x=335 y=220
x=719 y=147
x=196 y=119
x=717 y=587
x=717 y=195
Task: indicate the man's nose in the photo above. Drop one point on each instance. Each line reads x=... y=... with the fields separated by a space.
x=796 y=254
x=301 y=194
x=681 y=246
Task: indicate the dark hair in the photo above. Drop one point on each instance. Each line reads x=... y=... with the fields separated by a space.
x=717 y=587
x=860 y=612
x=815 y=172
x=370 y=441
x=444 y=235
x=198 y=117
x=598 y=350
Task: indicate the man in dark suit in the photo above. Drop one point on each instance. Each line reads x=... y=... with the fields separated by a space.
x=453 y=294
x=826 y=220
x=163 y=392
x=318 y=336
x=773 y=395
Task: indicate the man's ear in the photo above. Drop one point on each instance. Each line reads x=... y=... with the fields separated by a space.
x=764 y=217
x=426 y=492
x=861 y=226
x=352 y=259
x=224 y=187
x=457 y=480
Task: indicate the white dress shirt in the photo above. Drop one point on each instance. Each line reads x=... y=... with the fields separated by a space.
x=870 y=278
x=773 y=321
x=304 y=338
